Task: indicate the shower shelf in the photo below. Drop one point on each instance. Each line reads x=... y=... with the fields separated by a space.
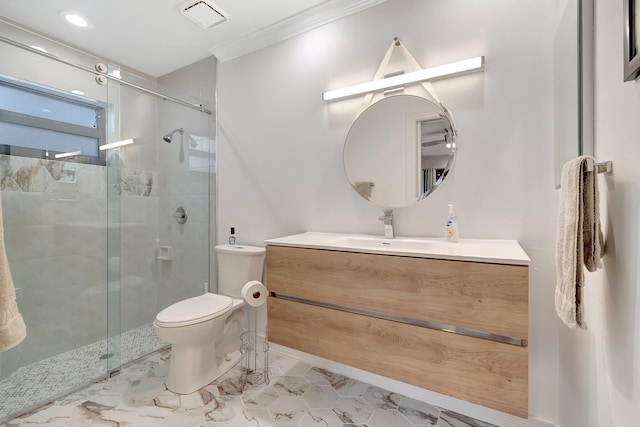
x=165 y=253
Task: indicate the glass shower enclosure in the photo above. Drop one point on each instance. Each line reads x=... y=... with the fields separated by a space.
x=93 y=198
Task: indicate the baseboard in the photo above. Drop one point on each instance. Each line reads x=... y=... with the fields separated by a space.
x=479 y=412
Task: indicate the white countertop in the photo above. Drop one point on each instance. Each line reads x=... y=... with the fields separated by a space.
x=478 y=250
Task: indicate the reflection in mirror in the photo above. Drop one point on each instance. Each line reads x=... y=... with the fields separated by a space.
x=399 y=150
x=437 y=151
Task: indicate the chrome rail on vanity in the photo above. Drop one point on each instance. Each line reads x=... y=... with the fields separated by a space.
x=406 y=320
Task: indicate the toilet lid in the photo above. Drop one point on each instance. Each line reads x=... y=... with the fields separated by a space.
x=194 y=310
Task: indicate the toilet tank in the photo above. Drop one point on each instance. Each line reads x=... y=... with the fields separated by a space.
x=237 y=265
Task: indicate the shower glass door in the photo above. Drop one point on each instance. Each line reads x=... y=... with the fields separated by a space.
x=92 y=242
x=161 y=259
x=53 y=185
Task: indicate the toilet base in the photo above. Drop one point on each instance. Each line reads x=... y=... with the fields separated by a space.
x=228 y=362
x=191 y=367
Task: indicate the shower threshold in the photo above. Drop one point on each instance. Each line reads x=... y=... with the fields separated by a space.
x=32 y=386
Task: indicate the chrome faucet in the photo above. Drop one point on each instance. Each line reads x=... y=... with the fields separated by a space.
x=387 y=220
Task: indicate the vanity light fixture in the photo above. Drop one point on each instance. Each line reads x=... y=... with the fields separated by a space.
x=454 y=68
x=116 y=144
x=67 y=154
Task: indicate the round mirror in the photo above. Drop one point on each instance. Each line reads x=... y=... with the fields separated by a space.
x=399 y=150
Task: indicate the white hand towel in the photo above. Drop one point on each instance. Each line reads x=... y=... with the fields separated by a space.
x=591 y=231
x=12 y=327
x=579 y=238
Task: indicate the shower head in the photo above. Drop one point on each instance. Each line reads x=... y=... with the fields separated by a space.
x=168 y=137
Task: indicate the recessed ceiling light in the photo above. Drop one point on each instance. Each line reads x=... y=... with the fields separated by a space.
x=75 y=19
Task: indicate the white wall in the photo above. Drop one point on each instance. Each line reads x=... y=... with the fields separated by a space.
x=280 y=145
x=600 y=367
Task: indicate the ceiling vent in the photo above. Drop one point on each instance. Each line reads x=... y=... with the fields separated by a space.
x=203 y=12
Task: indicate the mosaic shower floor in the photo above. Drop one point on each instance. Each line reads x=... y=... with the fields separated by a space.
x=33 y=384
x=297 y=395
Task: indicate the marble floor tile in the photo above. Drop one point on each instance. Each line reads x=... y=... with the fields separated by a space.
x=281 y=366
x=453 y=419
x=419 y=413
x=38 y=382
x=321 y=376
x=288 y=409
x=382 y=399
x=320 y=418
x=353 y=410
x=261 y=397
x=320 y=397
x=382 y=418
x=348 y=387
x=291 y=386
x=297 y=395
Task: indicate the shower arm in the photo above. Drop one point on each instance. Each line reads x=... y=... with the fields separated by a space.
x=169 y=137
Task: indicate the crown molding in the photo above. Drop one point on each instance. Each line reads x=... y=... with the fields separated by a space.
x=297 y=24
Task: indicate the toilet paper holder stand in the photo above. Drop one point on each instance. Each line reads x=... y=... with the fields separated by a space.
x=254 y=346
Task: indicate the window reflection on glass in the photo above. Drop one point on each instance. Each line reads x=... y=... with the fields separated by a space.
x=42 y=123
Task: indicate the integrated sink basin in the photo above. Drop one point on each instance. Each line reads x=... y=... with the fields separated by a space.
x=400 y=243
x=480 y=250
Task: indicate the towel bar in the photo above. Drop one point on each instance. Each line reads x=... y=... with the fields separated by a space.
x=604 y=167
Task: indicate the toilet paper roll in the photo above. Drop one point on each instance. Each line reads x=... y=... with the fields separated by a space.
x=254 y=293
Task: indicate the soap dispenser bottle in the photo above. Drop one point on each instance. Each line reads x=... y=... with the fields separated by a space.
x=452 y=226
x=232 y=237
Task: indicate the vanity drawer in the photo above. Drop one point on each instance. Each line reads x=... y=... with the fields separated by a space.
x=484 y=372
x=483 y=297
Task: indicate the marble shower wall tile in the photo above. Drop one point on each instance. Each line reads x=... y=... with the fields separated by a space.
x=61 y=171
x=37 y=175
x=33 y=177
x=91 y=179
x=30 y=175
x=56 y=217
x=137 y=183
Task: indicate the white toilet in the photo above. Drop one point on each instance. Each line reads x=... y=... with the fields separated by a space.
x=204 y=331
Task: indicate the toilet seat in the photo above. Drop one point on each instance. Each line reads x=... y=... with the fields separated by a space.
x=194 y=310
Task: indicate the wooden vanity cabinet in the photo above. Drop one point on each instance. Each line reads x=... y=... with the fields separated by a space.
x=454 y=327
